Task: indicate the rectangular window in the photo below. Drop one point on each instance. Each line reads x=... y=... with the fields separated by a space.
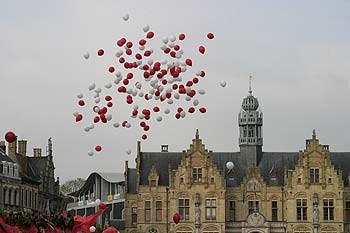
x=274 y=211
x=232 y=213
x=210 y=209
x=328 y=209
x=314 y=175
x=302 y=209
x=133 y=215
x=184 y=209
x=347 y=211
x=197 y=174
x=158 y=211
x=253 y=206
x=147 y=211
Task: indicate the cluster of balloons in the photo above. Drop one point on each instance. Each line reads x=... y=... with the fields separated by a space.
x=154 y=78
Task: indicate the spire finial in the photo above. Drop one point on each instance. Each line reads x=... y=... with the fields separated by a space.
x=197 y=134
x=250 y=84
x=313 y=133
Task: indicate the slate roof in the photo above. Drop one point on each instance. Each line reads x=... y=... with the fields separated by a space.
x=4 y=157
x=278 y=160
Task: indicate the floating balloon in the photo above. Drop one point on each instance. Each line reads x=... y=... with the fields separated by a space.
x=182 y=36
x=176 y=218
x=108 y=85
x=159 y=118
x=144 y=136
x=201 y=49
x=189 y=62
x=100 y=52
x=203 y=110
x=150 y=35
x=98 y=148
x=146 y=28
x=116 y=125
x=75 y=113
x=201 y=91
x=195 y=102
x=81 y=102
x=92 y=86
x=92 y=229
x=126 y=17
x=229 y=165
x=97 y=201
x=86 y=55
x=102 y=206
x=78 y=118
x=10 y=137
x=90 y=153
x=223 y=83
x=172 y=38
x=128 y=151
x=210 y=36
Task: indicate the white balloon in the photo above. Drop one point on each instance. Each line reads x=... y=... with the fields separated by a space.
x=171 y=45
x=136 y=106
x=128 y=151
x=92 y=229
x=118 y=74
x=98 y=90
x=138 y=85
x=177 y=63
x=170 y=64
x=146 y=28
x=97 y=100
x=161 y=88
x=150 y=96
x=96 y=95
x=119 y=53
x=138 y=62
x=108 y=85
x=86 y=129
x=141 y=116
x=159 y=118
x=156 y=97
x=80 y=95
x=163 y=62
x=181 y=51
x=116 y=125
x=172 y=38
x=188 y=89
x=167 y=111
x=141 y=94
x=201 y=91
x=117 y=80
x=188 y=98
x=86 y=55
x=170 y=101
x=75 y=113
x=223 y=83
x=183 y=69
x=109 y=117
x=150 y=61
x=128 y=125
x=198 y=73
x=229 y=165
x=91 y=126
x=163 y=47
x=134 y=92
x=142 y=47
x=195 y=102
x=169 y=90
x=97 y=201
x=182 y=114
x=165 y=40
x=90 y=153
x=126 y=17
x=178 y=55
x=92 y=86
x=96 y=109
x=129 y=91
x=176 y=95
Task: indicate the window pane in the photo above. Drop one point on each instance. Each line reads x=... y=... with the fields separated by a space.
x=158 y=204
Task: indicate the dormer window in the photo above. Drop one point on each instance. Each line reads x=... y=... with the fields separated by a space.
x=197 y=174
x=314 y=175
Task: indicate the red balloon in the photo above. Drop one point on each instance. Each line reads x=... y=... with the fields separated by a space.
x=179 y=109
x=167 y=50
x=144 y=137
x=98 y=148
x=100 y=52
x=108 y=98
x=173 y=54
x=125 y=82
x=79 y=117
x=129 y=44
x=182 y=36
x=142 y=42
x=138 y=56
x=150 y=35
x=103 y=118
x=189 y=83
x=176 y=218
x=201 y=49
x=202 y=73
x=146 y=128
x=188 y=62
x=145 y=67
x=121 y=89
x=81 y=102
x=142 y=124
x=128 y=51
x=191 y=110
x=111 y=69
x=121 y=60
x=177 y=47
x=124 y=123
x=109 y=104
x=195 y=80
x=147 y=53
x=210 y=36
x=177 y=115
x=96 y=119
x=168 y=95
x=164 y=82
x=156 y=109
x=175 y=86
x=203 y=110
x=129 y=75
x=10 y=137
x=102 y=206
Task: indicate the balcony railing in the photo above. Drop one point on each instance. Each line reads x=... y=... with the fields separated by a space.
x=90 y=203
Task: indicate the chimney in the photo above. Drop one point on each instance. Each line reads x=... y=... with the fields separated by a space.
x=37 y=152
x=12 y=150
x=3 y=146
x=164 y=148
x=22 y=147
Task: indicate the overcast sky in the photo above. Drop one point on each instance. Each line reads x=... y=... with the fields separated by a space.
x=297 y=52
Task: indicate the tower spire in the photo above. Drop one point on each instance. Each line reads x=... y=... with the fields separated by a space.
x=250 y=85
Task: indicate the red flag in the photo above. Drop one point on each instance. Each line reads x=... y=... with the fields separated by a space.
x=83 y=224
x=31 y=229
x=111 y=230
x=5 y=228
